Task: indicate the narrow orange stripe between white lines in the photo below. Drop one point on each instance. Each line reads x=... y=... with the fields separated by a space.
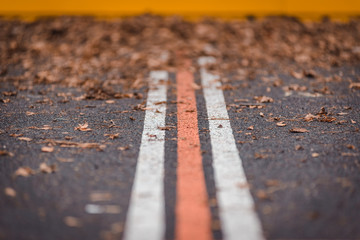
x=193 y=218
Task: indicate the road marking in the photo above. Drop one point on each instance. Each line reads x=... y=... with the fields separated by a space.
x=236 y=207
x=146 y=214
x=193 y=218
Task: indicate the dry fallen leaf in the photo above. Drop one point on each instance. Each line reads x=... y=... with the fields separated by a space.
x=65 y=160
x=112 y=136
x=355 y=85
x=110 y=101
x=24 y=172
x=309 y=117
x=297 y=75
x=263 y=99
x=123 y=148
x=250 y=128
x=47 y=168
x=29 y=113
x=315 y=155
x=100 y=196
x=10 y=93
x=72 y=221
x=83 y=127
x=298 y=130
x=281 y=124
x=6 y=153
x=47 y=149
x=25 y=139
x=261 y=194
x=298 y=147
x=195 y=86
x=10 y=192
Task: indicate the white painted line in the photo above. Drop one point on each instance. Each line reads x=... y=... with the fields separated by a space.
x=146 y=214
x=236 y=207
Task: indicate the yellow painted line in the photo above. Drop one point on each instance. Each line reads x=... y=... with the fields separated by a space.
x=188 y=8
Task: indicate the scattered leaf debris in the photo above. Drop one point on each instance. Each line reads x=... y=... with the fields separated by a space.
x=281 y=124
x=6 y=153
x=47 y=149
x=44 y=168
x=298 y=130
x=112 y=136
x=10 y=192
x=83 y=127
x=24 y=172
x=72 y=221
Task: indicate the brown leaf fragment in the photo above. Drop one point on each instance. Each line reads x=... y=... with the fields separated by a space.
x=195 y=86
x=47 y=149
x=327 y=119
x=315 y=155
x=263 y=99
x=112 y=136
x=352 y=121
x=355 y=85
x=25 y=139
x=83 y=127
x=124 y=148
x=281 y=124
x=298 y=147
x=16 y=135
x=10 y=192
x=309 y=117
x=349 y=154
x=261 y=194
x=158 y=103
x=190 y=110
x=342 y=113
x=9 y=93
x=65 y=160
x=24 y=172
x=166 y=128
x=29 y=113
x=110 y=101
x=99 y=147
x=298 y=130
x=260 y=156
x=261 y=114
x=6 y=153
x=132 y=118
x=6 y=100
x=250 y=128
x=322 y=111
x=100 y=196
x=272 y=183
x=350 y=146
x=72 y=221
x=44 y=168
x=297 y=75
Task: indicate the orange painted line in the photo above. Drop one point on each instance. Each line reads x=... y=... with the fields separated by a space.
x=193 y=218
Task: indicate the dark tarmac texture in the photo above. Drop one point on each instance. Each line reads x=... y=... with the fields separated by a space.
x=70 y=131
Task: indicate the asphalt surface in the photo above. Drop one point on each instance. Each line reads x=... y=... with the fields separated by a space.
x=305 y=185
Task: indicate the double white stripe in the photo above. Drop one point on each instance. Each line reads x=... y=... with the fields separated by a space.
x=146 y=214
x=237 y=214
